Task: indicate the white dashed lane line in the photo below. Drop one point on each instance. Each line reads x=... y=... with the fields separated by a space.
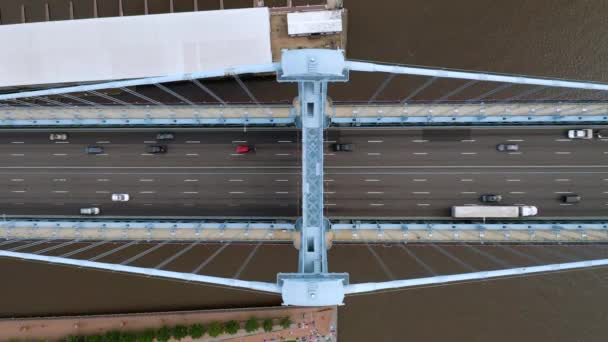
x=281 y=192
x=60 y=191
x=282 y=154
x=563 y=152
x=376 y=204
x=146 y=180
x=373 y=153
x=421 y=192
x=17 y=155
x=420 y=153
x=102 y=142
x=193 y=142
x=284 y=180
x=236 y=192
x=60 y=154
x=103 y=180
x=284 y=141
x=18 y=191
x=375 y=192
x=372 y=180
x=515 y=140
x=17 y=180
x=190 y=192
x=517 y=192
x=468 y=153
x=235 y=180
x=147 y=192
x=375 y=141
x=190 y=180
x=17 y=142
x=419 y=180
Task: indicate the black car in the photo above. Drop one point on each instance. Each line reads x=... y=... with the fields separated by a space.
x=490 y=198
x=571 y=198
x=342 y=147
x=156 y=149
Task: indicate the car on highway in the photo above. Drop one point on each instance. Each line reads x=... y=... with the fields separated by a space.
x=90 y=211
x=490 y=198
x=586 y=133
x=342 y=147
x=571 y=198
x=58 y=136
x=165 y=136
x=156 y=149
x=242 y=149
x=120 y=197
x=507 y=147
x=93 y=149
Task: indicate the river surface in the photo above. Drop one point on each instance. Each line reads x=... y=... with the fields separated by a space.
x=561 y=38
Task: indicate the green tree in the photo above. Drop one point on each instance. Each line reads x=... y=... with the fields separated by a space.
x=267 y=324
x=285 y=322
x=127 y=337
x=146 y=336
x=111 y=336
x=179 y=332
x=215 y=329
x=93 y=338
x=232 y=327
x=196 y=330
x=252 y=325
x=72 y=339
x=163 y=334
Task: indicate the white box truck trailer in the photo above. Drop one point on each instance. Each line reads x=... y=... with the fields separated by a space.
x=493 y=211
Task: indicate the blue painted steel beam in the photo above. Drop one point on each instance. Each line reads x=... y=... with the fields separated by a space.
x=574 y=226
x=290 y=121
x=488 y=119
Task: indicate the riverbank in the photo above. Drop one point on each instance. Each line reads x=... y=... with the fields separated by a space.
x=305 y=323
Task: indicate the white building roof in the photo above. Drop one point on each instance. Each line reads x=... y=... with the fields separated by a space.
x=132 y=47
x=305 y=23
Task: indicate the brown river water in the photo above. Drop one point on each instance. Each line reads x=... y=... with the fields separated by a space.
x=561 y=38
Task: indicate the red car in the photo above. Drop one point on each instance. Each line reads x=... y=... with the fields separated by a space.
x=245 y=149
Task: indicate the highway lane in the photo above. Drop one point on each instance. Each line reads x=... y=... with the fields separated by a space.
x=392 y=172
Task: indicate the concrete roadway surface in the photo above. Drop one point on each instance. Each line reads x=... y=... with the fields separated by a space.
x=392 y=173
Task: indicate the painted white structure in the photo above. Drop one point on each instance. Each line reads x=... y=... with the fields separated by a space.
x=133 y=47
x=315 y=22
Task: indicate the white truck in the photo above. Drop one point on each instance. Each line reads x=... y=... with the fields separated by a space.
x=493 y=211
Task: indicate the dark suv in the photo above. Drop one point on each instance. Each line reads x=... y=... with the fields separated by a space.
x=156 y=149
x=342 y=147
x=490 y=198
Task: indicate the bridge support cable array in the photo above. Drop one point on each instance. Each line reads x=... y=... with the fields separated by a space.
x=446 y=96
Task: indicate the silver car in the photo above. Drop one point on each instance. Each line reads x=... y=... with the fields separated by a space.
x=89 y=211
x=120 y=197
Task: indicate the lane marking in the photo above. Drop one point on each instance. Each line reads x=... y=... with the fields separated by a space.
x=419 y=141
x=190 y=192
x=563 y=152
x=17 y=142
x=375 y=141
x=421 y=193
x=102 y=142
x=468 y=140
x=103 y=180
x=565 y=204
x=236 y=154
x=235 y=180
x=468 y=192
x=333 y=204
x=562 y=180
x=284 y=141
x=419 y=179
x=466 y=180
x=190 y=180
x=146 y=180
x=236 y=192
x=62 y=142
x=375 y=192
x=329 y=192
x=283 y=180
x=60 y=154
x=102 y=192
x=59 y=180
x=514 y=152
x=515 y=140
x=17 y=155
x=17 y=180
x=239 y=141
x=328 y=180
x=281 y=192
x=372 y=180
x=149 y=141
x=468 y=153
x=563 y=192
x=513 y=180
x=329 y=154
x=147 y=204
x=517 y=192
x=420 y=153
x=373 y=153
x=191 y=154
x=563 y=140
x=147 y=154
x=60 y=191
x=376 y=204
x=329 y=141
x=101 y=154
x=282 y=154
x=423 y=204
x=147 y=192
x=193 y=142
x=18 y=191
